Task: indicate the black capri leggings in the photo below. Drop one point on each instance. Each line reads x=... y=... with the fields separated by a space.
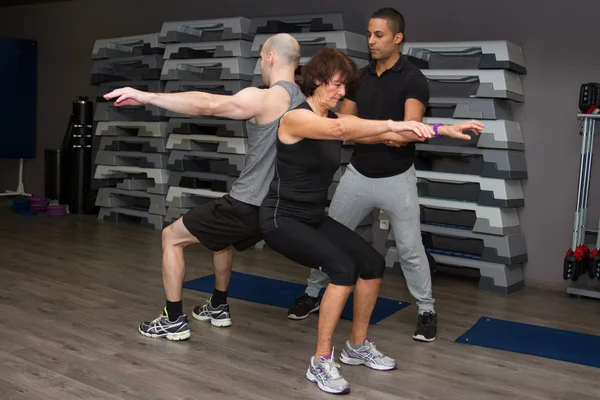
x=342 y=253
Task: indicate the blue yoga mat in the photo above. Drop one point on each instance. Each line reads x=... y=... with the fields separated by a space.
x=282 y=294
x=557 y=344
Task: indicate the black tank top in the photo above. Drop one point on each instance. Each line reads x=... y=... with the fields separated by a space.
x=303 y=173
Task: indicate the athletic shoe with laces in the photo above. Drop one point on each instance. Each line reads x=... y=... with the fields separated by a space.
x=303 y=306
x=367 y=355
x=219 y=316
x=325 y=373
x=161 y=327
x=426 y=327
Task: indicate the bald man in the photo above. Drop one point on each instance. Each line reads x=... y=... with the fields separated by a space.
x=232 y=220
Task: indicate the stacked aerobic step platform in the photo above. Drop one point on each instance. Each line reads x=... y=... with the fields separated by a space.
x=314 y=32
x=206 y=154
x=470 y=191
x=131 y=162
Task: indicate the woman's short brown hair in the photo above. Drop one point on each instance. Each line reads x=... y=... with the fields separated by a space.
x=324 y=65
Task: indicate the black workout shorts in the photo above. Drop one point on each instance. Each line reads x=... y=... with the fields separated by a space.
x=223 y=222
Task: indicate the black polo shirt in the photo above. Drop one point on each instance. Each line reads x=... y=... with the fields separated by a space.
x=383 y=98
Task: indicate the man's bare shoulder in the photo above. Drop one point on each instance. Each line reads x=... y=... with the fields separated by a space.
x=272 y=95
x=276 y=102
x=252 y=93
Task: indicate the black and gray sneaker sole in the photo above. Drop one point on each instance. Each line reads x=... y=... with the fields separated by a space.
x=219 y=323
x=421 y=338
x=299 y=317
x=176 y=336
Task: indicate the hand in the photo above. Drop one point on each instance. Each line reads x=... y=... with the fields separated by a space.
x=129 y=97
x=391 y=143
x=456 y=131
x=412 y=130
x=394 y=140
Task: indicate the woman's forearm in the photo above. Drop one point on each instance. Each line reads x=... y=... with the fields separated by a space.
x=357 y=129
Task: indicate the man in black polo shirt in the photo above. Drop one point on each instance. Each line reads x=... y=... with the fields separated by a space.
x=382 y=176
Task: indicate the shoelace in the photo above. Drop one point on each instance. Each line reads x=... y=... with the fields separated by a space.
x=427 y=319
x=157 y=319
x=374 y=350
x=332 y=368
x=303 y=300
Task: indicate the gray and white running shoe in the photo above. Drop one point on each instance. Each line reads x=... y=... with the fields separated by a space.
x=324 y=372
x=218 y=316
x=161 y=327
x=367 y=355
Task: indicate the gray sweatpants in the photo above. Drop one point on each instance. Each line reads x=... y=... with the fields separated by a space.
x=356 y=196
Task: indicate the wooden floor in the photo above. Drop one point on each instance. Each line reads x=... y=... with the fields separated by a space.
x=74 y=289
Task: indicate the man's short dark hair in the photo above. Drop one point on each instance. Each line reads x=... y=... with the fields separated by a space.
x=395 y=20
x=324 y=65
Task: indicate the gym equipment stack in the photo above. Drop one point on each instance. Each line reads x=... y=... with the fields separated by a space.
x=132 y=158
x=580 y=260
x=184 y=160
x=470 y=191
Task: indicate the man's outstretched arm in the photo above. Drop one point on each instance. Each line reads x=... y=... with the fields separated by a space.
x=245 y=104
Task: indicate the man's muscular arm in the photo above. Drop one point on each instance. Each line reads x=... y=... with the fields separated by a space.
x=417 y=97
x=245 y=104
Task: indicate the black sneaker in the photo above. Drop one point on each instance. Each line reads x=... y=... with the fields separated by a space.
x=303 y=306
x=426 y=327
x=161 y=327
x=218 y=316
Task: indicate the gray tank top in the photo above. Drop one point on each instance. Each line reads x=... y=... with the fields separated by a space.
x=253 y=183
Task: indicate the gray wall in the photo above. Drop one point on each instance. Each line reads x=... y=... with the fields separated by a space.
x=555 y=43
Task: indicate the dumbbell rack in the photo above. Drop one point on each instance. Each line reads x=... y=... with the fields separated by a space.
x=576 y=287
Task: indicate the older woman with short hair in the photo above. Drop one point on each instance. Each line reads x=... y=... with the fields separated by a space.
x=293 y=218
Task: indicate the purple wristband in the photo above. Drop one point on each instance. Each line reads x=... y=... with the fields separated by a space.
x=435 y=129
